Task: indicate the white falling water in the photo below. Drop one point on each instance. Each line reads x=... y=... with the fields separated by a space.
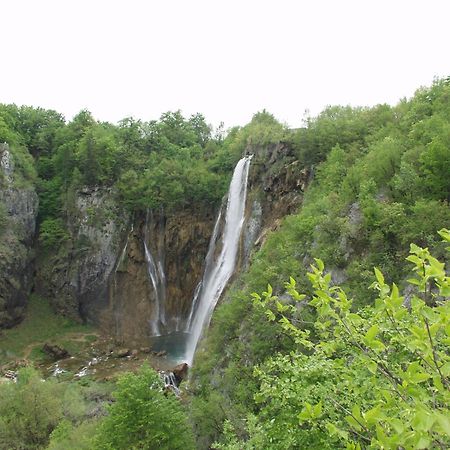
x=193 y=307
x=158 y=279
x=218 y=271
x=209 y=261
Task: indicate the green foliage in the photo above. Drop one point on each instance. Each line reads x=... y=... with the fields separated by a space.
x=143 y=416
x=67 y=436
x=52 y=233
x=378 y=378
x=31 y=409
x=35 y=412
x=3 y=218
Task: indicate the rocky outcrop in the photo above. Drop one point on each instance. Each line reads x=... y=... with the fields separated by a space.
x=180 y=372
x=55 y=351
x=18 y=211
x=276 y=184
x=101 y=274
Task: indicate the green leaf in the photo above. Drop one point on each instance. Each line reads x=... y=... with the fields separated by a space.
x=317 y=410
x=320 y=264
x=379 y=276
x=423 y=420
x=372 y=332
x=374 y=415
x=444 y=422
x=351 y=420
x=372 y=366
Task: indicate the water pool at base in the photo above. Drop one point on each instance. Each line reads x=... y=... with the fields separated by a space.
x=174 y=344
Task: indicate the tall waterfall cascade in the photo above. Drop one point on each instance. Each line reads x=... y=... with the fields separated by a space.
x=218 y=270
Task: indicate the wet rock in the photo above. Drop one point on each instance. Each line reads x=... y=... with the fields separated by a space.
x=180 y=372
x=161 y=353
x=55 y=351
x=134 y=353
x=145 y=350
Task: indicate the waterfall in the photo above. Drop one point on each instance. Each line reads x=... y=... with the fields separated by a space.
x=219 y=270
x=157 y=277
x=209 y=260
x=193 y=307
x=170 y=382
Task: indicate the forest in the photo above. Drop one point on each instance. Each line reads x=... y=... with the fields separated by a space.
x=336 y=333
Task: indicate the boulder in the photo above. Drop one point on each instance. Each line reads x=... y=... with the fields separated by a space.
x=180 y=372
x=122 y=352
x=55 y=351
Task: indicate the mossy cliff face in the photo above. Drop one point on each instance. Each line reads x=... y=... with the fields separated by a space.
x=81 y=266
x=101 y=273
x=18 y=211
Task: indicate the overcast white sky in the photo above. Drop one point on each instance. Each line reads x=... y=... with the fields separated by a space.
x=226 y=59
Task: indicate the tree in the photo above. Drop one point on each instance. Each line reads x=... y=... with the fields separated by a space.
x=29 y=410
x=144 y=417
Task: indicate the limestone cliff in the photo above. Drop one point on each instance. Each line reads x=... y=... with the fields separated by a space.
x=276 y=184
x=179 y=243
x=81 y=266
x=101 y=274
x=18 y=211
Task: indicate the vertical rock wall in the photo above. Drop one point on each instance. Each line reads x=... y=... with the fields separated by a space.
x=18 y=211
x=179 y=242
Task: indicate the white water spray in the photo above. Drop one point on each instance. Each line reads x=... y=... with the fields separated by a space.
x=218 y=271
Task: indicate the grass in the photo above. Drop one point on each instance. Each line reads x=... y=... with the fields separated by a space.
x=40 y=325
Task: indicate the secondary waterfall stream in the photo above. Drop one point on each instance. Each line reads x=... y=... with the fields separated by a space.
x=218 y=270
x=158 y=279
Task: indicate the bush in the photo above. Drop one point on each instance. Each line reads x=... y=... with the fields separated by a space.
x=29 y=410
x=377 y=378
x=52 y=233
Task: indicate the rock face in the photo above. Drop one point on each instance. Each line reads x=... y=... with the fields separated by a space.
x=79 y=272
x=18 y=211
x=275 y=189
x=178 y=243
x=55 y=351
x=101 y=275
x=180 y=372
